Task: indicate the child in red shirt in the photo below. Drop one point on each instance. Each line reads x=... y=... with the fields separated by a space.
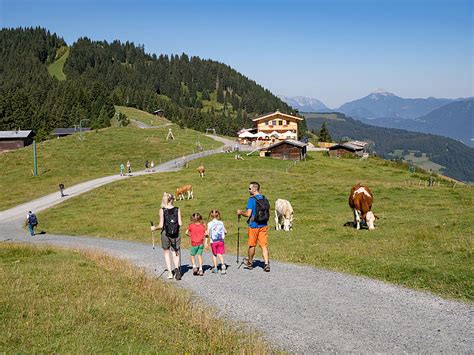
x=196 y=231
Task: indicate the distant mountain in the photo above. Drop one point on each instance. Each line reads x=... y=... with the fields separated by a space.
x=304 y=104
x=382 y=104
x=454 y=120
x=457 y=158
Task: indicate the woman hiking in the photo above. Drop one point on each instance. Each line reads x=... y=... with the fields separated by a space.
x=170 y=221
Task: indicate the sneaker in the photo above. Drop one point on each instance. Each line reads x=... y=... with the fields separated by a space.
x=266 y=268
x=247 y=264
x=223 y=269
x=215 y=271
x=195 y=271
x=201 y=273
x=177 y=274
x=170 y=275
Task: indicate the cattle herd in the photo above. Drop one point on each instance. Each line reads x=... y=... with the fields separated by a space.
x=360 y=201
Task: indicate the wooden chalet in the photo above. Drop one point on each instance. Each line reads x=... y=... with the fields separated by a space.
x=286 y=150
x=63 y=132
x=10 y=140
x=278 y=122
x=355 y=149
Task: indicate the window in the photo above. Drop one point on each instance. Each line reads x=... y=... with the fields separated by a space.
x=280 y=122
x=266 y=123
x=274 y=122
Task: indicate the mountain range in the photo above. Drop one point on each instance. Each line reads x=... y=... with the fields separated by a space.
x=304 y=104
x=448 y=117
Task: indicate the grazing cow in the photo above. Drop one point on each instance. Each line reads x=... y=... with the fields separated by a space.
x=201 y=170
x=360 y=200
x=180 y=191
x=283 y=215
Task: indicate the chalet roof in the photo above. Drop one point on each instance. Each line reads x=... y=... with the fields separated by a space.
x=64 y=131
x=288 y=141
x=349 y=146
x=268 y=115
x=16 y=134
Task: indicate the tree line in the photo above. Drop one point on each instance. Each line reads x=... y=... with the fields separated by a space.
x=101 y=74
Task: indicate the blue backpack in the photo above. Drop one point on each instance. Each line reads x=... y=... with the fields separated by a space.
x=32 y=219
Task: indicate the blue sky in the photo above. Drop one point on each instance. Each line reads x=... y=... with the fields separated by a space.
x=333 y=50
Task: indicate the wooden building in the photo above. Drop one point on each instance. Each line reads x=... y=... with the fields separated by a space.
x=286 y=150
x=346 y=149
x=281 y=123
x=10 y=140
x=63 y=132
x=159 y=113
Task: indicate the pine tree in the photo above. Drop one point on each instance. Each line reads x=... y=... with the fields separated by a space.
x=324 y=135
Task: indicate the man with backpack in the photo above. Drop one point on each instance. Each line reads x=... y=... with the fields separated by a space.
x=32 y=222
x=258 y=213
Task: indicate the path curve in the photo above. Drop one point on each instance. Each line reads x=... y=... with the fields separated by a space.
x=297 y=308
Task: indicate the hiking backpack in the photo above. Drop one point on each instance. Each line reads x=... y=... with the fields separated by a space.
x=32 y=219
x=262 y=213
x=171 y=226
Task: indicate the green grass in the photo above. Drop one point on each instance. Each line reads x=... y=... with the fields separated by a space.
x=423 y=239
x=70 y=160
x=61 y=301
x=145 y=117
x=56 y=68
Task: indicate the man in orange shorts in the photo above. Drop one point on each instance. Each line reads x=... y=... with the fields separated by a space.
x=258 y=213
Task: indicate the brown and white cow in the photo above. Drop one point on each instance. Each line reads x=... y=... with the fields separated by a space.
x=180 y=191
x=201 y=170
x=360 y=200
x=283 y=215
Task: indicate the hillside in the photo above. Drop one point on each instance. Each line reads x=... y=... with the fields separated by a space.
x=455 y=156
x=416 y=243
x=193 y=92
x=454 y=120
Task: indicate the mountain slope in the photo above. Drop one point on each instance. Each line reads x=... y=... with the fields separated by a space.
x=304 y=104
x=455 y=156
x=384 y=104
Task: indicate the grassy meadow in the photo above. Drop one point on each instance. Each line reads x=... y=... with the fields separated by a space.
x=55 y=69
x=69 y=302
x=70 y=160
x=139 y=115
x=423 y=239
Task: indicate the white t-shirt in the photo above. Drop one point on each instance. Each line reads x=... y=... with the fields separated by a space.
x=216 y=231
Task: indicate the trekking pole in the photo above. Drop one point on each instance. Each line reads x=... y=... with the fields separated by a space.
x=152 y=235
x=238 y=237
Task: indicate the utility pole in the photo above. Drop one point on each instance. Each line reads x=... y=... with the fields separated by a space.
x=35 y=162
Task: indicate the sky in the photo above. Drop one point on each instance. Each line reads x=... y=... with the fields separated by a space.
x=333 y=50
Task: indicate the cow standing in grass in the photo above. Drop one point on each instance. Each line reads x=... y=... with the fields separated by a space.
x=360 y=200
x=201 y=170
x=180 y=191
x=283 y=215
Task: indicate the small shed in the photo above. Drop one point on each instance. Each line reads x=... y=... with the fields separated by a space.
x=10 y=140
x=63 y=132
x=158 y=113
x=346 y=149
x=286 y=150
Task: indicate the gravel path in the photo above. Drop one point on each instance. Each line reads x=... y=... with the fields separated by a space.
x=297 y=308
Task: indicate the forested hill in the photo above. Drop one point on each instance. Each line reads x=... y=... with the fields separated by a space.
x=193 y=92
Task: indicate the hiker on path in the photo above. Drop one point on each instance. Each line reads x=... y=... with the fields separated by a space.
x=152 y=165
x=258 y=213
x=31 y=222
x=170 y=221
x=216 y=232
x=61 y=189
x=129 y=167
x=196 y=231
x=122 y=169
x=146 y=165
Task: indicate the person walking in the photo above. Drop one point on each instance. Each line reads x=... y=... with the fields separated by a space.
x=146 y=165
x=258 y=213
x=152 y=165
x=129 y=167
x=196 y=231
x=170 y=222
x=61 y=189
x=216 y=232
x=31 y=222
x=122 y=169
